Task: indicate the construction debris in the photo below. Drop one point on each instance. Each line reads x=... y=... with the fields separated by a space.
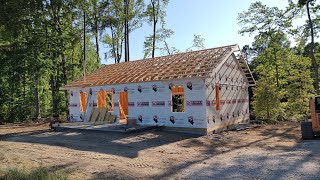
x=102 y=115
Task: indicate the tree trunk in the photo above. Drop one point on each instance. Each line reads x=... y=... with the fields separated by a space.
x=277 y=68
x=154 y=29
x=125 y=31
x=36 y=98
x=24 y=108
x=64 y=70
x=96 y=34
x=54 y=95
x=114 y=46
x=65 y=81
x=128 y=46
x=119 y=50
x=267 y=107
x=97 y=48
x=63 y=59
x=128 y=32
x=12 y=88
x=315 y=66
x=36 y=89
x=84 y=46
x=167 y=47
x=72 y=60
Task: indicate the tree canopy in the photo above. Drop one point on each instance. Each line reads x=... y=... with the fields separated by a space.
x=286 y=70
x=45 y=44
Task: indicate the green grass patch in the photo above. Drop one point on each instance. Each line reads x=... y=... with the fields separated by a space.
x=36 y=174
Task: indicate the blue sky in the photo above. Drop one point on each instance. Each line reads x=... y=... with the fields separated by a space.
x=214 y=20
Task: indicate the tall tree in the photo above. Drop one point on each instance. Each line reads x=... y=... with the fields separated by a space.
x=124 y=17
x=113 y=19
x=40 y=51
x=94 y=20
x=155 y=14
x=133 y=15
x=270 y=23
x=162 y=36
x=166 y=49
x=315 y=65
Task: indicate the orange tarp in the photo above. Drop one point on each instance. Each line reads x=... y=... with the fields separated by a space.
x=83 y=101
x=101 y=97
x=123 y=104
x=177 y=90
x=217 y=97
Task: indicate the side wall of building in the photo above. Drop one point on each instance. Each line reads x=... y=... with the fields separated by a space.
x=234 y=97
x=150 y=103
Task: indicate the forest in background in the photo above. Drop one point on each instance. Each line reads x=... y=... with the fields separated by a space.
x=284 y=58
x=44 y=44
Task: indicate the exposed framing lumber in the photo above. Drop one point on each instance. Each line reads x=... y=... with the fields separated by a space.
x=183 y=65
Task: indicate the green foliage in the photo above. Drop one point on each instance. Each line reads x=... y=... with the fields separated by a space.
x=115 y=18
x=148 y=46
x=155 y=15
x=282 y=71
x=261 y=18
x=266 y=102
x=37 y=174
x=197 y=43
x=299 y=87
x=156 y=11
x=294 y=87
x=114 y=40
x=162 y=35
x=41 y=50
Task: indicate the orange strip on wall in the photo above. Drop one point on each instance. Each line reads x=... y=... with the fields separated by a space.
x=83 y=101
x=101 y=98
x=98 y=99
x=217 y=97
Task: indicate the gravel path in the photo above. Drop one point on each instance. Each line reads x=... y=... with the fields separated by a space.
x=268 y=152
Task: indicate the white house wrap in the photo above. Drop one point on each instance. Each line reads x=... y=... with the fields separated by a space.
x=177 y=91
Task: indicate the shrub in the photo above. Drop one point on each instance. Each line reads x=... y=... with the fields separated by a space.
x=37 y=174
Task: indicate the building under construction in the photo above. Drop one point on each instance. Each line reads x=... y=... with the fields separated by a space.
x=200 y=91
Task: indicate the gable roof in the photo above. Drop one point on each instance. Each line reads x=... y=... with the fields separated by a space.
x=176 y=66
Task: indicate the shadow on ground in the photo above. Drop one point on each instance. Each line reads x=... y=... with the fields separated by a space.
x=273 y=159
x=120 y=144
x=278 y=162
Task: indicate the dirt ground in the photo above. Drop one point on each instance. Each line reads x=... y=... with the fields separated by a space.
x=267 y=152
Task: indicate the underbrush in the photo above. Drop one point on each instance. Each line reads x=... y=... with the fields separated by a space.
x=36 y=174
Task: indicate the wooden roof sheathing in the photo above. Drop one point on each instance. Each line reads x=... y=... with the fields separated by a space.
x=176 y=66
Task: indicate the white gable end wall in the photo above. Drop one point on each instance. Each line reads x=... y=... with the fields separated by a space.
x=234 y=98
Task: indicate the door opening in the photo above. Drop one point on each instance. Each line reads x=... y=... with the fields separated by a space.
x=123 y=107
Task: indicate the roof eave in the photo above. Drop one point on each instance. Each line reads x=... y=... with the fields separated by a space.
x=68 y=87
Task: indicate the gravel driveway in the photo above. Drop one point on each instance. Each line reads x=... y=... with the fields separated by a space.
x=267 y=152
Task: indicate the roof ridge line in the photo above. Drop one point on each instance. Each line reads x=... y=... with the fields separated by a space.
x=147 y=59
